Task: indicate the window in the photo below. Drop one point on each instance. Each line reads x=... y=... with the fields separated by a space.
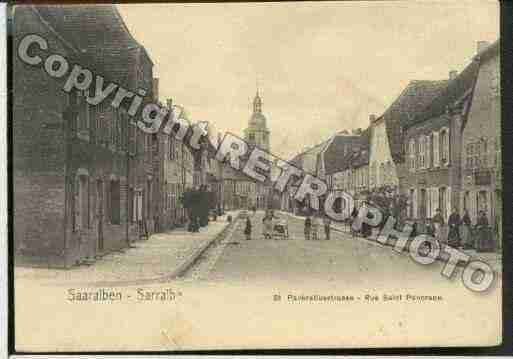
x=373 y=174
x=421 y=162
x=423 y=204
x=114 y=202
x=442 y=200
x=444 y=146
x=477 y=154
x=412 y=155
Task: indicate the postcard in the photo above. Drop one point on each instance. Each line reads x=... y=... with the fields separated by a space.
x=262 y=175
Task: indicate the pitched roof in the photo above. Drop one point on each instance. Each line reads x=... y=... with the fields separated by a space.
x=98 y=32
x=401 y=112
x=454 y=91
x=360 y=155
x=335 y=152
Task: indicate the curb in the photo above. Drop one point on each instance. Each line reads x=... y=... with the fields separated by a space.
x=182 y=268
x=178 y=271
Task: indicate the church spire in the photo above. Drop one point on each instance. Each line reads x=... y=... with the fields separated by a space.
x=257 y=103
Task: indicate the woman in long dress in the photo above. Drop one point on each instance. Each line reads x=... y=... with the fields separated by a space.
x=438 y=222
x=465 y=231
x=268 y=225
x=454 y=221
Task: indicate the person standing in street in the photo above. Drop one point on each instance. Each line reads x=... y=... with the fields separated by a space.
x=268 y=225
x=454 y=234
x=438 y=222
x=308 y=227
x=247 y=229
x=465 y=236
x=327 y=227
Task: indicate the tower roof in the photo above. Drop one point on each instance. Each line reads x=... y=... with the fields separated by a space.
x=257 y=119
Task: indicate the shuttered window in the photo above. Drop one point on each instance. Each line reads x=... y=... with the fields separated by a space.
x=436 y=149
x=448 y=199
x=428 y=152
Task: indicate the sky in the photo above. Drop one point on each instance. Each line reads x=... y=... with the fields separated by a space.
x=321 y=67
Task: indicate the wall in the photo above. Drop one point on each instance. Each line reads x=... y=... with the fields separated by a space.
x=484 y=122
x=380 y=154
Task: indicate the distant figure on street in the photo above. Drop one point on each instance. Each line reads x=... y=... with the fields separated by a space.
x=327 y=227
x=438 y=222
x=308 y=227
x=268 y=225
x=254 y=210
x=454 y=234
x=465 y=236
x=247 y=229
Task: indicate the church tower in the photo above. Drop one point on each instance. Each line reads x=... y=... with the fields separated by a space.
x=256 y=133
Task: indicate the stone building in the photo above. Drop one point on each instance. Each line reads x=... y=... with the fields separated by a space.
x=176 y=171
x=481 y=142
x=432 y=142
x=353 y=176
x=389 y=166
x=382 y=169
x=239 y=190
x=70 y=160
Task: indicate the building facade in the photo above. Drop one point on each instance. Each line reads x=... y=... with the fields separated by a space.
x=382 y=168
x=433 y=149
x=70 y=159
x=481 y=144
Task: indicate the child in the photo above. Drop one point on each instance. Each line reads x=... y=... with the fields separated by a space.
x=247 y=229
x=308 y=226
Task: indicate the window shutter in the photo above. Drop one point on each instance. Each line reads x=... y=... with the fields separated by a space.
x=415 y=203
x=448 y=201
x=428 y=202
x=428 y=152
x=447 y=149
x=436 y=152
x=436 y=198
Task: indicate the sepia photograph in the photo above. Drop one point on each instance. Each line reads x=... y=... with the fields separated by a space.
x=256 y=175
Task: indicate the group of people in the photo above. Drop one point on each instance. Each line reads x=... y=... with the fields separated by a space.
x=311 y=228
x=313 y=225
x=198 y=202
x=459 y=228
x=458 y=232
x=267 y=223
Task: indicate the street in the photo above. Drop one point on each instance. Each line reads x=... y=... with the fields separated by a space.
x=341 y=259
x=248 y=294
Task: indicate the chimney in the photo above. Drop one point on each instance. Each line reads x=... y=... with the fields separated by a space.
x=372 y=118
x=481 y=45
x=453 y=74
x=156 y=88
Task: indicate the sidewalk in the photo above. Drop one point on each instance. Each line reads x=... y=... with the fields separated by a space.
x=494 y=260
x=160 y=258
